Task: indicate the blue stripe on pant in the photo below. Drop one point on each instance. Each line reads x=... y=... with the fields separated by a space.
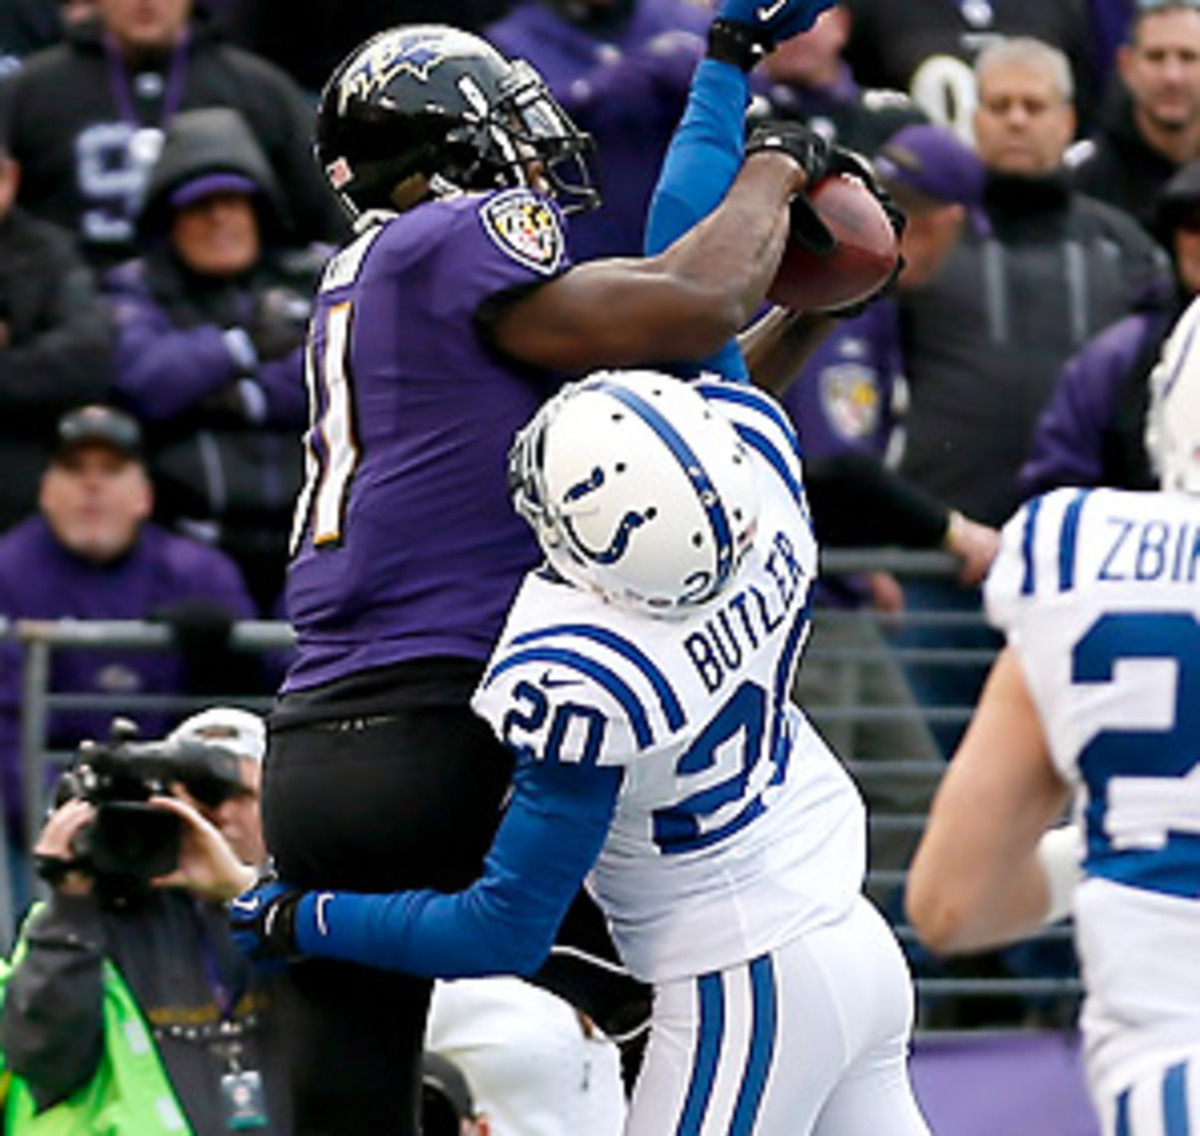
x=1174 y=1100
x=711 y=1035
x=1172 y=1096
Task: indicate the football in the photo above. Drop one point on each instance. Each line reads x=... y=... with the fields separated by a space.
x=862 y=256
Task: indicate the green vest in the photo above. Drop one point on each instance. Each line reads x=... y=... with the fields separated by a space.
x=129 y=1095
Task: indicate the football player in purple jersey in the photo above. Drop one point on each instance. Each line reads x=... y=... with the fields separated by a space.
x=436 y=333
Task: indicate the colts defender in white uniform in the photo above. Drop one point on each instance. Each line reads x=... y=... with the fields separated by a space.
x=642 y=681
x=1096 y=700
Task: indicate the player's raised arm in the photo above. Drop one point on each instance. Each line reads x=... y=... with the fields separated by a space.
x=715 y=232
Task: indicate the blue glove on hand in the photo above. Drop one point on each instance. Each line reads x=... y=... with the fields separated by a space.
x=263 y=919
x=770 y=21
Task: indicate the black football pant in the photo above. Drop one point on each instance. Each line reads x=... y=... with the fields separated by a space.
x=379 y=804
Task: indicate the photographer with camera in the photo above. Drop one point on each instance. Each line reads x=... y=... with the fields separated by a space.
x=128 y=1007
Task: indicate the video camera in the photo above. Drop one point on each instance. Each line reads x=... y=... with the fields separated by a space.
x=131 y=839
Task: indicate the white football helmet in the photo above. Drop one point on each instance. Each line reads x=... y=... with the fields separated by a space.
x=1173 y=419
x=637 y=489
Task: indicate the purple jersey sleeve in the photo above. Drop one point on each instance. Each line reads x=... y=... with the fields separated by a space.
x=414 y=419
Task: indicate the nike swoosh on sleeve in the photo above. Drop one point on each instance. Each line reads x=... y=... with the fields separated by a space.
x=548 y=682
x=770 y=11
x=323 y=902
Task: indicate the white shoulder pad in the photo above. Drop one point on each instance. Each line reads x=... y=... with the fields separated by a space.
x=576 y=692
x=1037 y=554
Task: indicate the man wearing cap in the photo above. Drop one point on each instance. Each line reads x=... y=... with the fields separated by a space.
x=209 y=355
x=843 y=404
x=1151 y=123
x=843 y=397
x=536 y=1065
x=92 y=553
x=1093 y=432
x=237 y=814
x=202 y=1011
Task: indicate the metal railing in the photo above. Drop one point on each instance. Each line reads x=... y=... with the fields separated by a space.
x=846 y=643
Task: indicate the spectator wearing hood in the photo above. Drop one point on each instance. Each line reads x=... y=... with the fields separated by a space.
x=86 y=119
x=210 y=326
x=1093 y=431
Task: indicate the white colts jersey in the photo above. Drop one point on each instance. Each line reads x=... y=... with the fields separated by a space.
x=736 y=829
x=1099 y=593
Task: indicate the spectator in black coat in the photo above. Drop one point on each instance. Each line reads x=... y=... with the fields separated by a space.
x=55 y=342
x=1151 y=125
x=87 y=118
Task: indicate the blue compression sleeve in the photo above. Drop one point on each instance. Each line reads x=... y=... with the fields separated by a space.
x=703 y=159
x=506 y=921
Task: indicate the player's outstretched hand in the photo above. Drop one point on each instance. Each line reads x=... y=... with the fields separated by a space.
x=810 y=150
x=974 y=544
x=771 y=21
x=263 y=919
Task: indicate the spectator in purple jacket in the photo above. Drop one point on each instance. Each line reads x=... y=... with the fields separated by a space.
x=209 y=344
x=1093 y=430
x=91 y=553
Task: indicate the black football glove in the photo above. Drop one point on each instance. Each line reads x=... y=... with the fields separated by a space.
x=812 y=153
x=808 y=149
x=819 y=160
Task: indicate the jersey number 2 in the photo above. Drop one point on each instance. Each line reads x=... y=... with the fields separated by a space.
x=1144 y=784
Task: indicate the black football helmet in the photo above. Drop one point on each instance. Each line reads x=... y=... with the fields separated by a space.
x=434 y=100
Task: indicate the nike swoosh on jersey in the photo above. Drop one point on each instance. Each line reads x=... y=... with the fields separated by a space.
x=549 y=682
x=770 y=11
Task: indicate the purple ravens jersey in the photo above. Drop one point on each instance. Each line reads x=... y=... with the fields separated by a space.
x=405 y=543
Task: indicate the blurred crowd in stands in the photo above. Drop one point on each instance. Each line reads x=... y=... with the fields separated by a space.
x=163 y=224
